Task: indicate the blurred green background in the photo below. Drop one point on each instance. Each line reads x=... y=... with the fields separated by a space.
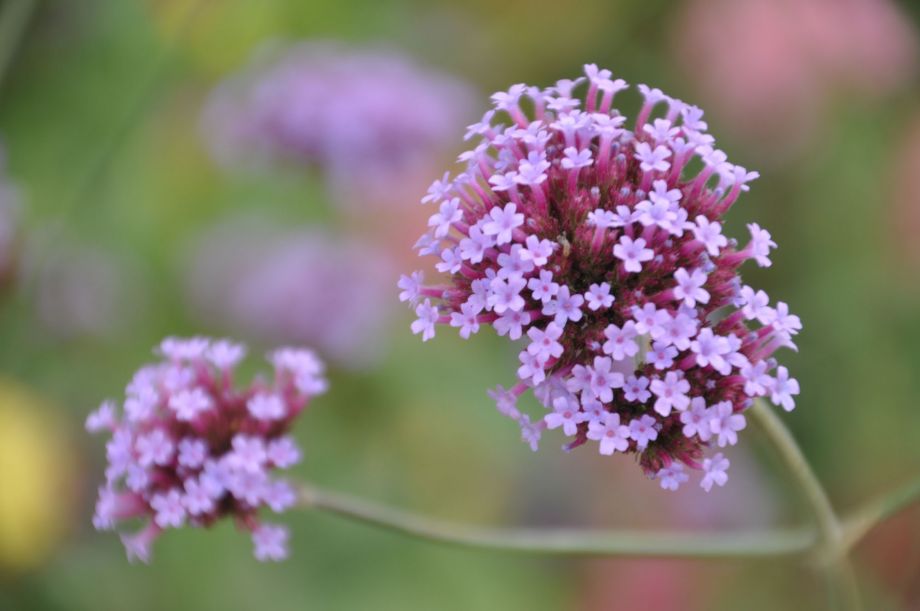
x=99 y=117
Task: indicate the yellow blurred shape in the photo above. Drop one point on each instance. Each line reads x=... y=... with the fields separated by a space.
x=35 y=488
x=218 y=36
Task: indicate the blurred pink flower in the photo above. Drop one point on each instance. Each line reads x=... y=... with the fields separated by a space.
x=647 y=584
x=368 y=119
x=780 y=60
x=9 y=221
x=81 y=290
x=892 y=554
x=190 y=447
x=302 y=285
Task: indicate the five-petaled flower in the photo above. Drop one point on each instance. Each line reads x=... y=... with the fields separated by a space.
x=202 y=450
x=604 y=247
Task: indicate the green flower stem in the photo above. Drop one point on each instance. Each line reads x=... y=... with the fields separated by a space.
x=567 y=542
x=675 y=544
x=843 y=589
x=790 y=453
x=829 y=542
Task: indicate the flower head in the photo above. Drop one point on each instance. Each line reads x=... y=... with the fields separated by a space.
x=275 y=284
x=607 y=250
x=368 y=119
x=202 y=449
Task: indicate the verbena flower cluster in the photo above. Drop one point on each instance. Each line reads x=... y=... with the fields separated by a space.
x=600 y=247
x=366 y=117
x=191 y=448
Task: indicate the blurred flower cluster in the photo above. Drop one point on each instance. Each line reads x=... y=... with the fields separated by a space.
x=9 y=221
x=81 y=290
x=191 y=448
x=299 y=285
x=770 y=66
x=372 y=124
x=603 y=245
x=76 y=290
x=366 y=119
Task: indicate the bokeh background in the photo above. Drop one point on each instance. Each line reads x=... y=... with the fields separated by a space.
x=121 y=221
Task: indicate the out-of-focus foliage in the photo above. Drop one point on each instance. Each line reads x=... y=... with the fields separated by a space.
x=100 y=120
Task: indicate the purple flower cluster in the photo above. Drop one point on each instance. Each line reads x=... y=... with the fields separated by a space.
x=190 y=448
x=369 y=117
x=299 y=285
x=82 y=289
x=601 y=248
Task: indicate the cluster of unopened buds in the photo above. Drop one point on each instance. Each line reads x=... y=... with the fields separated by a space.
x=191 y=448
x=600 y=246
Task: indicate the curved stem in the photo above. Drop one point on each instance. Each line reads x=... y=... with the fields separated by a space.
x=571 y=542
x=798 y=466
x=831 y=540
x=779 y=542
x=844 y=592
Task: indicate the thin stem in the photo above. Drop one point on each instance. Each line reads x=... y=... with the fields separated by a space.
x=841 y=580
x=569 y=542
x=798 y=466
x=779 y=542
x=831 y=540
x=14 y=20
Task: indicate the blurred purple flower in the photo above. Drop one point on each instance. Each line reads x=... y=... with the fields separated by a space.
x=174 y=466
x=564 y=201
x=368 y=119
x=274 y=284
x=9 y=222
x=81 y=290
x=779 y=60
